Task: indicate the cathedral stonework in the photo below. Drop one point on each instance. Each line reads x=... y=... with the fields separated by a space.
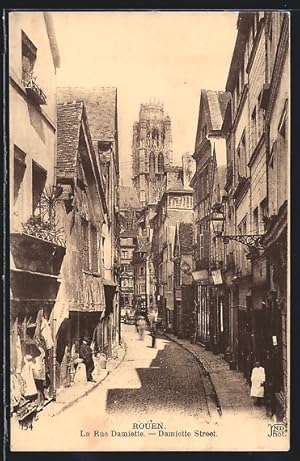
x=151 y=152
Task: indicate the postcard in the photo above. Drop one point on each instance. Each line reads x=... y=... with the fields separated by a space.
x=149 y=230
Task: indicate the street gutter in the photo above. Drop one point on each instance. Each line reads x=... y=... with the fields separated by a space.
x=213 y=404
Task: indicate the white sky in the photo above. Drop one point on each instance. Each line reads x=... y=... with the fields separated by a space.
x=162 y=55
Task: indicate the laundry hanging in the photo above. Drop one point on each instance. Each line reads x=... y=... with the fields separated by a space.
x=46 y=334
x=28 y=378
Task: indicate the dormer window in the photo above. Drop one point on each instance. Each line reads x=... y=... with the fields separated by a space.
x=104 y=146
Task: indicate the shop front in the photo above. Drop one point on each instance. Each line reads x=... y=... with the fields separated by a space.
x=202 y=306
x=34 y=284
x=220 y=315
x=276 y=244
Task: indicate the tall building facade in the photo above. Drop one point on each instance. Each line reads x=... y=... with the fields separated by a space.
x=241 y=194
x=151 y=152
x=211 y=316
x=175 y=205
x=257 y=149
x=37 y=246
x=101 y=109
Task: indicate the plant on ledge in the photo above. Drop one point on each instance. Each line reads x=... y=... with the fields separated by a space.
x=33 y=89
x=45 y=225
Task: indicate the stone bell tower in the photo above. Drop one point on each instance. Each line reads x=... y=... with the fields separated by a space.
x=151 y=152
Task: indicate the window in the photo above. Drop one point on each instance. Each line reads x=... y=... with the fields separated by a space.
x=255 y=22
x=242 y=157
x=39 y=176
x=242 y=79
x=282 y=122
x=271 y=31
x=242 y=230
x=272 y=179
x=238 y=88
x=142 y=197
x=19 y=170
x=161 y=165
x=263 y=214
x=94 y=248
x=85 y=243
x=29 y=52
x=260 y=118
x=282 y=156
x=152 y=164
x=102 y=249
x=255 y=221
x=142 y=271
x=253 y=129
x=177 y=275
x=124 y=254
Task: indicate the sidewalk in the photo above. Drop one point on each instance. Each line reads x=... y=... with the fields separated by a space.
x=231 y=388
x=67 y=396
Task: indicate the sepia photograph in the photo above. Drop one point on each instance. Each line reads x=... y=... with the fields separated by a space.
x=149 y=223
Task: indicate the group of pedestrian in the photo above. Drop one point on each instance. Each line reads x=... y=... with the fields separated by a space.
x=141 y=324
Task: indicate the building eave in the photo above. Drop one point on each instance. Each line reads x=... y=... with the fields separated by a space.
x=52 y=39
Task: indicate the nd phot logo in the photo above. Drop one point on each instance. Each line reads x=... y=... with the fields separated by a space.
x=277 y=430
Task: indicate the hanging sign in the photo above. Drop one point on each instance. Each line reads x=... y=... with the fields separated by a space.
x=217 y=277
x=178 y=293
x=201 y=275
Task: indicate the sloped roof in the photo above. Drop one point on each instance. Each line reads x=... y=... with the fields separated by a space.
x=143 y=245
x=69 y=118
x=217 y=102
x=101 y=108
x=212 y=107
x=186 y=237
x=129 y=233
x=128 y=197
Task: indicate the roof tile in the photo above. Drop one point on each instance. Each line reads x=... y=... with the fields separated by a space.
x=101 y=108
x=68 y=128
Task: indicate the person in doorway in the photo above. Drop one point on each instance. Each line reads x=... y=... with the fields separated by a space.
x=141 y=326
x=258 y=379
x=85 y=352
x=270 y=399
x=153 y=334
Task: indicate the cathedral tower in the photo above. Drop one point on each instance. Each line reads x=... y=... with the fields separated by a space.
x=151 y=152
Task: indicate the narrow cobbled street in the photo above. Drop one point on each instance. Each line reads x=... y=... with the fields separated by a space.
x=161 y=385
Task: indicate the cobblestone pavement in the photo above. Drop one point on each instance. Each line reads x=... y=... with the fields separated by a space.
x=161 y=384
x=230 y=386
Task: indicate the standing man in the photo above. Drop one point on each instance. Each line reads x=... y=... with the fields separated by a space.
x=141 y=326
x=85 y=352
x=153 y=334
